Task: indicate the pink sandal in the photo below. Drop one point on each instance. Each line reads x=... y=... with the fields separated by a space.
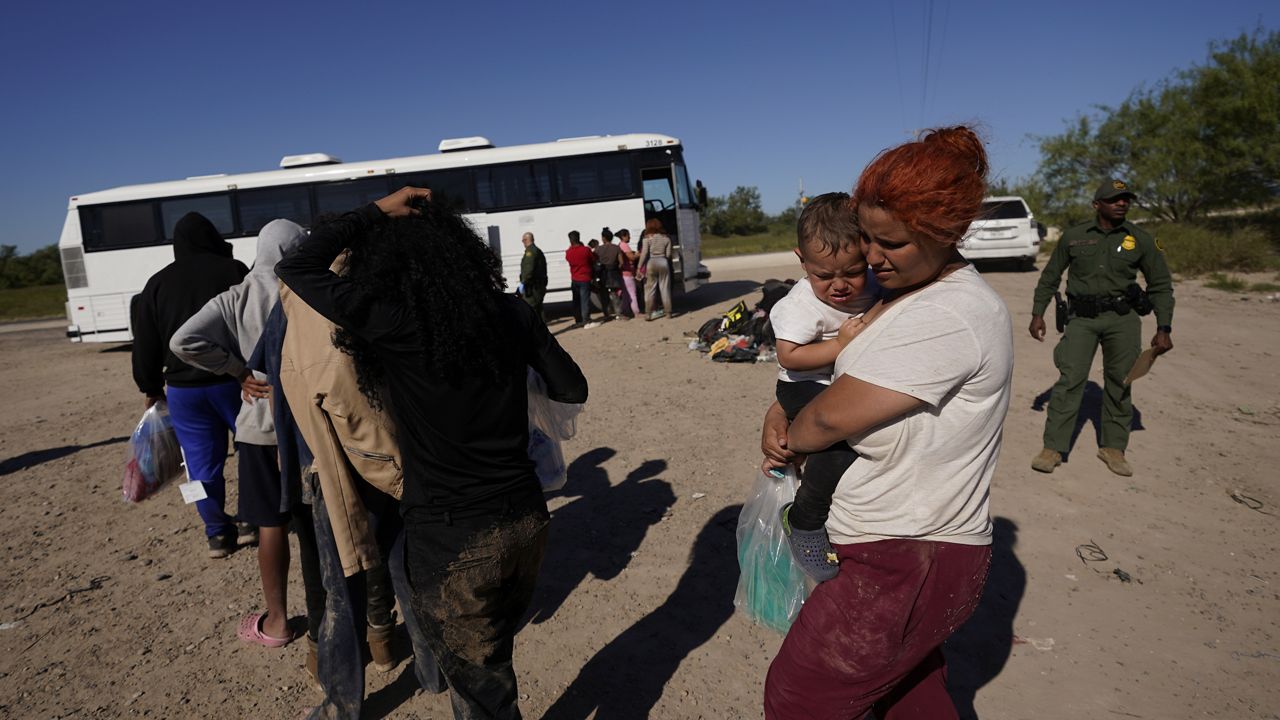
x=251 y=632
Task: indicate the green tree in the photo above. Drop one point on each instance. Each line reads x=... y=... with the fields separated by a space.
x=44 y=266
x=41 y=267
x=713 y=220
x=1204 y=139
x=1240 y=87
x=738 y=214
x=744 y=211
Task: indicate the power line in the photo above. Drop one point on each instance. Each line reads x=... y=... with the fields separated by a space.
x=897 y=63
x=928 y=48
x=942 y=50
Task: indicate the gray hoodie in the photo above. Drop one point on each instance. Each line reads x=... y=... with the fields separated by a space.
x=225 y=331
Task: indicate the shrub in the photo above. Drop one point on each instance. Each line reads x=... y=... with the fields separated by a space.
x=1195 y=249
x=1219 y=281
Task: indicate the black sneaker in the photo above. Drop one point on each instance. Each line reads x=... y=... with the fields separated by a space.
x=221 y=546
x=246 y=534
x=811 y=549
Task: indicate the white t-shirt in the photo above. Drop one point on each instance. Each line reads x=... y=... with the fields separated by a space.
x=927 y=475
x=802 y=318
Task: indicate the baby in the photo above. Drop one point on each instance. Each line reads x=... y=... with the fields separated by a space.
x=813 y=323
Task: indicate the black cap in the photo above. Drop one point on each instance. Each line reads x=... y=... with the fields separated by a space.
x=1112 y=188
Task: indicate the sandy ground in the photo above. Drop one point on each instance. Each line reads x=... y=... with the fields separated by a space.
x=633 y=616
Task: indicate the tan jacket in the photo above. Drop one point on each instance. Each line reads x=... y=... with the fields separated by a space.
x=351 y=441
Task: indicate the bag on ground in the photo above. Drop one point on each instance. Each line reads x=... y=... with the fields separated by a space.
x=771 y=588
x=550 y=424
x=154 y=456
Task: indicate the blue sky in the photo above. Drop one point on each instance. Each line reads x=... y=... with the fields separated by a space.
x=98 y=95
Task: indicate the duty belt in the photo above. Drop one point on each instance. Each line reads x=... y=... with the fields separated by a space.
x=1089 y=306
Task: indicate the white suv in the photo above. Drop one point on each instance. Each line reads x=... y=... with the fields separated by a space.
x=1005 y=230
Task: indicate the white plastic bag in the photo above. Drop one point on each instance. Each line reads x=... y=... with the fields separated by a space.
x=548 y=460
x=550 y=423
x=154 y=456
x=771 y=587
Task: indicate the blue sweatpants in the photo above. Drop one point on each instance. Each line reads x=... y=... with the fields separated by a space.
x=202 y=417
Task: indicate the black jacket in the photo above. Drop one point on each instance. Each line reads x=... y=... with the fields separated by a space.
x=464 y=443
x=202 y=267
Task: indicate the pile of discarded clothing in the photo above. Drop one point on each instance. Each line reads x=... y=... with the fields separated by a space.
x=742 y=333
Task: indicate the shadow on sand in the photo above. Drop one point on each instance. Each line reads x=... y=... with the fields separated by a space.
x=978 y=651
x=1090 y=412
x=36 y=457
x=625 y=679
x=596 y=533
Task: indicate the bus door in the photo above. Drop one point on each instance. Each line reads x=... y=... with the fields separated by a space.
x=667 y=197
x=660 y=203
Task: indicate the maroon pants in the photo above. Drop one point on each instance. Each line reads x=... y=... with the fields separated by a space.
x=872 y=637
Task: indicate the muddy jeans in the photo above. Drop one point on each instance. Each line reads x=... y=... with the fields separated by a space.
x=872 y=637
x=472 y=582
x=348 y=603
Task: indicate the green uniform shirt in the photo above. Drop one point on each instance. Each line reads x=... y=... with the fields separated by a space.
x=1101 y=262
x=533 y=268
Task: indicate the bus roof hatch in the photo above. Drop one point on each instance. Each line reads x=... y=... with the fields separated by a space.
x=468 y=143
x=307 y=160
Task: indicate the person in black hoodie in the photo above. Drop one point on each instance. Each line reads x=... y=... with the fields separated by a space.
x=422 y=312
x=202 y=406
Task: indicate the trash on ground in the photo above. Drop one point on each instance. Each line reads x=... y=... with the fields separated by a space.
x=1037 y=643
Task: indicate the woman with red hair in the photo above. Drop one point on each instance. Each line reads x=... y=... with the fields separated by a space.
x=921 y=395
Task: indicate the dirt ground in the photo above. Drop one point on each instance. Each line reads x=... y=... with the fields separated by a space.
x=108 y=610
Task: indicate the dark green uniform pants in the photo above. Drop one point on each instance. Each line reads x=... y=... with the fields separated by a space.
x=1120 y=337
x=534 y=297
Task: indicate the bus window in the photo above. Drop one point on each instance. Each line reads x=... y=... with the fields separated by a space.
x=340 y=197
x=513 y=185
x=657 y=190
x=262 y=205
x=580 y=179
x=682 y=186
x=449 y=188
x=217 y=208
x=124 y=225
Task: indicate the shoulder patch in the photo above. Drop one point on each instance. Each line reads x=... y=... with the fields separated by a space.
x=1159 y=246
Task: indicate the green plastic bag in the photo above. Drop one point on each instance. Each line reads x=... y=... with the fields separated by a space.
x=771 y=588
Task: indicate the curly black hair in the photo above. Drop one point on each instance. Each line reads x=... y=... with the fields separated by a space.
x=448 y=283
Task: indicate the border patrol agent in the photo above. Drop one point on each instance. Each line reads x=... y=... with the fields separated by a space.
x=533 y=275
x=1104 y=305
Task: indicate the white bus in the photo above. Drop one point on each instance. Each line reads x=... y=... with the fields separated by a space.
x=114 y=240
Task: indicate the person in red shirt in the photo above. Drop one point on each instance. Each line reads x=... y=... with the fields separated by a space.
x=581 y=260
